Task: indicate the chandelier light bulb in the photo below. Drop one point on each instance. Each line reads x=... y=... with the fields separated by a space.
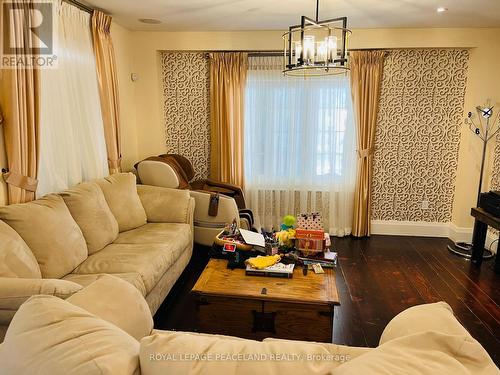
x=332 y=47
x=322 y=51
x=309 y=50
x=298 y=51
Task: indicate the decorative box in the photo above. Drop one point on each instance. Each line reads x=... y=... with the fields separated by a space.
x=312 y=221
x=310 y=241
x=315 y=234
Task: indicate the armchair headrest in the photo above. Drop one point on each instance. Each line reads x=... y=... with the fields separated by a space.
x=161 y=171
x=183 y=162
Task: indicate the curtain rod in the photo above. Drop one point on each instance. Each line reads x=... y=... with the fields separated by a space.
x=254 y=53
x=265 y=53
x=80 y=6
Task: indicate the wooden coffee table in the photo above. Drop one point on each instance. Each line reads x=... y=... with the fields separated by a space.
x=256 y=307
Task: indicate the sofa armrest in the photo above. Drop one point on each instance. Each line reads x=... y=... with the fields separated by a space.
x=192 y=205
x=14 y=291
x=164 y=205
x=344 y=352
x=435 y=317
x=231 y=355
x=95 y=297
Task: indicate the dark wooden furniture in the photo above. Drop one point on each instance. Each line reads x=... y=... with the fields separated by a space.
x=230 y=303
x=482 y=220
x=379 y=277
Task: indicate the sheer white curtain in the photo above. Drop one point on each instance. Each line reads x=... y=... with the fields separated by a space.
x=299 y=146
x=72 y=145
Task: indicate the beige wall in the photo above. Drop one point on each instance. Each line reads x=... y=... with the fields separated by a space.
x=142 y=58
x=140 y=101
x=129 y=126
x=150 y=138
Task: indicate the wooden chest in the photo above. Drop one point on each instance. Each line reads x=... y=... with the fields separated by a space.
x=231 y=303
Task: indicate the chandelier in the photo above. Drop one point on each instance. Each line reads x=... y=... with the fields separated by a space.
x=316 y=48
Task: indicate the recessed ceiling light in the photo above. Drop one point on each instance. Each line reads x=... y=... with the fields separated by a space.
x=441 y=9
x=150 y=21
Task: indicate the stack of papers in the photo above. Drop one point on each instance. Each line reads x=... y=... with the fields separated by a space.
x=252 y=238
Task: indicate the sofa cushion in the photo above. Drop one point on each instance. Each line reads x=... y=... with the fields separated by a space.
x=424 y=353
x=115 y=300
x=120 y=191
x=15 y=290
x=151 y=261
x=177 y=235
x=163 y=205
x=52 y=336
x=436 y=317
x=131 y=277
x=88 y=207
x=51 y=233
x=156 y=296
x=16 y=259
x=189 y=353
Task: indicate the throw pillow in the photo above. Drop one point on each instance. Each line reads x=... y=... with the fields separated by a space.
x=88 y=207
x=51 y=233
x=120 y=191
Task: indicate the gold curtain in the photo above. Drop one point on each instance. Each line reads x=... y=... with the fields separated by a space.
x=20 y=115
x=108 y=87
x=228 y=72
x=366 y=78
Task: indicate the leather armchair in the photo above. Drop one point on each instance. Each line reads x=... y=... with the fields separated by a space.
x=223 y=188
x=176 y=172
x=208 y=184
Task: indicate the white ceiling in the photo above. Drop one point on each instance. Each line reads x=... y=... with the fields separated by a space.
x=208 y=15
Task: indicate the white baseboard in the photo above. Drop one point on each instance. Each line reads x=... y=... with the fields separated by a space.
x=427 y=229
x=460 y=234
x=410 y=228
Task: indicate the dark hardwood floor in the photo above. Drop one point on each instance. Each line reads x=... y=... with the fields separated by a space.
x=377 y=278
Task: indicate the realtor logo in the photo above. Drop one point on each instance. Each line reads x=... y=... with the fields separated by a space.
x=28 y=29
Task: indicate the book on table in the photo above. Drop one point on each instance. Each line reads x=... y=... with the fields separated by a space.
x=276 y=270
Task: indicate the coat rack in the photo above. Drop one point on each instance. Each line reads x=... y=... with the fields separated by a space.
x=485 y=127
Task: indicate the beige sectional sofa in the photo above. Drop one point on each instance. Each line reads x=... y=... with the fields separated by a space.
x=62 y=242
x=106 y=328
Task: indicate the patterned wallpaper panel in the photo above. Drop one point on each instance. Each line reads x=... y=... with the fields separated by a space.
x=418 y=134
x=186 y=107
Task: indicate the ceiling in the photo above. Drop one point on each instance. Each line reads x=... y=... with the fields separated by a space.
x=211 y=15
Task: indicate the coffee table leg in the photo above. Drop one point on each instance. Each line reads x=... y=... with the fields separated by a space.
x=333 y=323
x=331 y=315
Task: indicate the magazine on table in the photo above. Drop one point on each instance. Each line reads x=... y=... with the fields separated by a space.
x=276 y=270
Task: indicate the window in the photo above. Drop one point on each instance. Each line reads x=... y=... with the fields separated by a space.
x=72 y=144
x=299 y=141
